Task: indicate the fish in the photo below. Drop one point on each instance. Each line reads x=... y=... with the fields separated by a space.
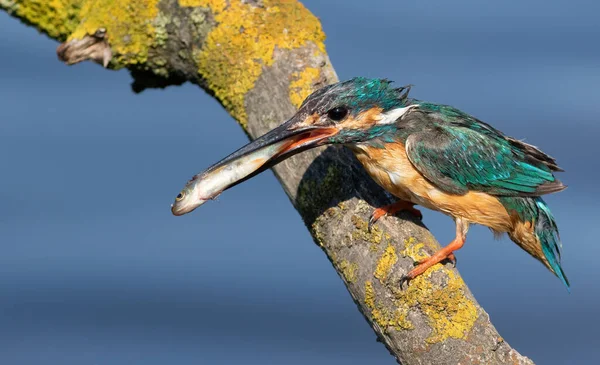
x=250 y=160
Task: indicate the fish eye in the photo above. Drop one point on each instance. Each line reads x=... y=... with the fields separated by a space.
x=337 y=114
x=180 y=196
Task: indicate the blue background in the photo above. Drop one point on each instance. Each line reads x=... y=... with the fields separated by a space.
x=94 y=269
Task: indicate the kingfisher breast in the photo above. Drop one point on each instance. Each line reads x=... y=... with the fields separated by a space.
x=393 y=171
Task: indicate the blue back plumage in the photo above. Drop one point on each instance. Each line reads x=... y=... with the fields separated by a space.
x=460 y=153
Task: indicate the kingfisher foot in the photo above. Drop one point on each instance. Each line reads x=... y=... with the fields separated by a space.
x=445 y=253
x=394 y=208
x=422 y=265
x=451 y=258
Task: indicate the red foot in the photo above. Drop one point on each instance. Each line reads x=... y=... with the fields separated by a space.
x=441 y=255
x=392 y=209
x=450 y=258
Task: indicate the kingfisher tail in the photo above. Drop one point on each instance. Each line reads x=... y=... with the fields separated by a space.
x=535 y=231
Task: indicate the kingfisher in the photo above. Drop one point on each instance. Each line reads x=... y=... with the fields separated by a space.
x=423 y=153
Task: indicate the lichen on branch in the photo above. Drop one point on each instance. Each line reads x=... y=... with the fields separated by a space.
x=56 y=18
x=244 y=41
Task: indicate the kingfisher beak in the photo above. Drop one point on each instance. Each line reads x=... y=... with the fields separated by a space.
x=288 y=139
x=284 y=141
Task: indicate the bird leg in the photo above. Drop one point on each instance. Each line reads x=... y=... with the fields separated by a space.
x=400 y=205
x=445 y=253
x=451 y=258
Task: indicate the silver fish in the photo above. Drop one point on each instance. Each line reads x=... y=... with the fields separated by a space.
x=280 y=143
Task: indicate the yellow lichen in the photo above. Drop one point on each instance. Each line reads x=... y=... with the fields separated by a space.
x=375 y=237
x=415 y=250
x=161 y=35
x=349 y=269
x=302 y=85
x=361 y=231
x=387 y=260
x=236 y=50
x=332 y=212
x=57 y=18
x=316 y=233
x=382 y=316
x=369 y=294
x=129 y=26
x=450 y=313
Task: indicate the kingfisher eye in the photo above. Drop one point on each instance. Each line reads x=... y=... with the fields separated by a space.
x=180 y=196
x=337 y=114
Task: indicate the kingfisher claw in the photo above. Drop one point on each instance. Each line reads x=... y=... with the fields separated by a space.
x=391 y=209
x=452 y=259
x=405 y=279
x=372 y=221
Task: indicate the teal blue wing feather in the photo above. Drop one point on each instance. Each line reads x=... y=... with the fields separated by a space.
x=536 y=211
x=460 y=153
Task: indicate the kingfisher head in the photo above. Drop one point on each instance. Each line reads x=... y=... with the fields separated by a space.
x=348 y=112
x=352 y=111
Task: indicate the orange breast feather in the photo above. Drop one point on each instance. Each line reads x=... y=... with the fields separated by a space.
x=392 y=170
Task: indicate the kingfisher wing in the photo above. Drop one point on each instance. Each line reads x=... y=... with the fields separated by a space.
x=458 y=153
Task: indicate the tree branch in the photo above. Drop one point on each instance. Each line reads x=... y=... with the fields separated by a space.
x=260 y=59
